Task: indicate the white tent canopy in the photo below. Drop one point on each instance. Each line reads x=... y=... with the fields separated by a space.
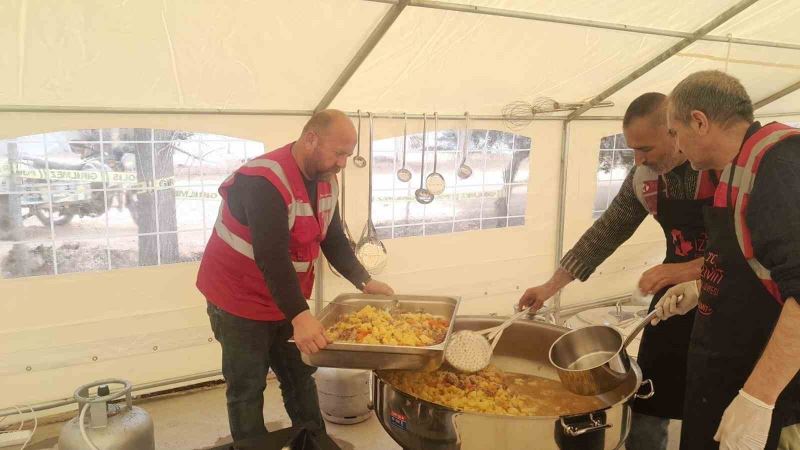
x=286 y=55
x=256 y=69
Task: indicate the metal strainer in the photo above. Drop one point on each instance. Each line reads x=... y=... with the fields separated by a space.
x=471 y=351
x=370 y=251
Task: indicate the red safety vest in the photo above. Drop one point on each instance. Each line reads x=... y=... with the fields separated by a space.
x=747 y=163
x=228 y=276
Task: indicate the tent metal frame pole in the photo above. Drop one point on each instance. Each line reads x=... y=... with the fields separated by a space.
x=482 y=10
x=562 y=210
x=778 y=95
x=136 y=387
x=665 y=55
x=45 y=109
x=372 y=40
x=784 y=114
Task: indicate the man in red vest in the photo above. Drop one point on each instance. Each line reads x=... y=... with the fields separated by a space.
x=742 y=387
x=278 y=212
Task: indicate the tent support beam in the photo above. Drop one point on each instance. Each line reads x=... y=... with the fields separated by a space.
x=562 y=210
x=448 y=6
x=665 y=55
x=778 y=95
x=47 y=109
x=372 y=40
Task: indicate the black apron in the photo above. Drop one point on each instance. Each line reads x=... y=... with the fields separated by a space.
x=663 y=349
x=733 y=323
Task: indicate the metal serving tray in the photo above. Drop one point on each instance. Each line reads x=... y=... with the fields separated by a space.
x=377 y=356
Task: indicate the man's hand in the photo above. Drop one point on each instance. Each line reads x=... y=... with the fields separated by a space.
x=745 y=424
x=663 y=275
x=309 y=334
x=678 y=300
x=536 y=296
x=377 y=287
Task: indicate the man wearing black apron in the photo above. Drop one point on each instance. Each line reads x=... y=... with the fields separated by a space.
x=743 y=386
x=663 y=185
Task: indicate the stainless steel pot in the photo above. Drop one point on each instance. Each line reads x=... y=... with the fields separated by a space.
x=593 y=360
x=417 y=424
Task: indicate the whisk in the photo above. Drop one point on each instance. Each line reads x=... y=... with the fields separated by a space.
x=519 y=114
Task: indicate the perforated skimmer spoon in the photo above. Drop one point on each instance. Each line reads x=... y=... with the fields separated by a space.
x=404 y=174
x=435 y=181
x=471 y=351
x=370 y=250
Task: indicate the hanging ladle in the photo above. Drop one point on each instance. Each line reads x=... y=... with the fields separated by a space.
x=404 y=174
x=435 y=181
x=422 y=194
x=465 y=171
x=359 y=160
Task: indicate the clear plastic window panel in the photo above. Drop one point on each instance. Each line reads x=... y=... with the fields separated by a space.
x=494 y=195
x=615 y=161
x=102 y=199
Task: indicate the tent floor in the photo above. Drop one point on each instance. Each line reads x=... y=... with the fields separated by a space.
x=197 y=420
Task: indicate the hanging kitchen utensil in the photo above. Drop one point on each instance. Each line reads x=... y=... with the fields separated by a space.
x=465 y=171
x=422 y=194
x=519 y=114
x=359 y=160
x=470 y=351
x=435 y=181
x=404 y=174
x=592 y=360
x=370 y=250
x=343 y=216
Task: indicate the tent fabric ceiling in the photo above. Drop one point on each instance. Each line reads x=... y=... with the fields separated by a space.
x=243 y=54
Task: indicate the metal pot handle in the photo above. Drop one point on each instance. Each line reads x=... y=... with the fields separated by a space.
x=575 y=430
x=649 y=394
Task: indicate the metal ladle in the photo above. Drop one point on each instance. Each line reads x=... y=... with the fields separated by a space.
x=404 y=174
x=359 y=160
x=435 y=181
x=422 y=194
x=465 y=171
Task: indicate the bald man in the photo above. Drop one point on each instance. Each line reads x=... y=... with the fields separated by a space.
x=278 y=211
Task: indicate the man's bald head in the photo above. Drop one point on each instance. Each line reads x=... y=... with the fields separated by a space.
x=329 y=121
x=327 y=141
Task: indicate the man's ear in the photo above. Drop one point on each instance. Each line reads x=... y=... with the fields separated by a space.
x=699 y=122
x=310 y=139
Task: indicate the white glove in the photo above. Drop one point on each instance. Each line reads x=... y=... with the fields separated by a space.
x=678 y=300
x=745 y=424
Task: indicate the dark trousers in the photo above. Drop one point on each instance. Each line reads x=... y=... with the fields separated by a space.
x=249 y=349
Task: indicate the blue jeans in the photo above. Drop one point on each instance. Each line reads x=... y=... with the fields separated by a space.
x=647 y=433
x=249 y=349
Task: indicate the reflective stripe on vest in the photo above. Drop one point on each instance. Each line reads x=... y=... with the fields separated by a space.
x=744 y=177
x=328 y=196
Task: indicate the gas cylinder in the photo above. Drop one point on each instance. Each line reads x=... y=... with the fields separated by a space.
x=344 y=394
x=102 y=425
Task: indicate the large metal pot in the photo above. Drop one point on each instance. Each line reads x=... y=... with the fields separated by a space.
x=417 y=424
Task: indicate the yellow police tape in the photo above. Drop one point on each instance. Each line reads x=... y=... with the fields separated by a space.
x=126 y=179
